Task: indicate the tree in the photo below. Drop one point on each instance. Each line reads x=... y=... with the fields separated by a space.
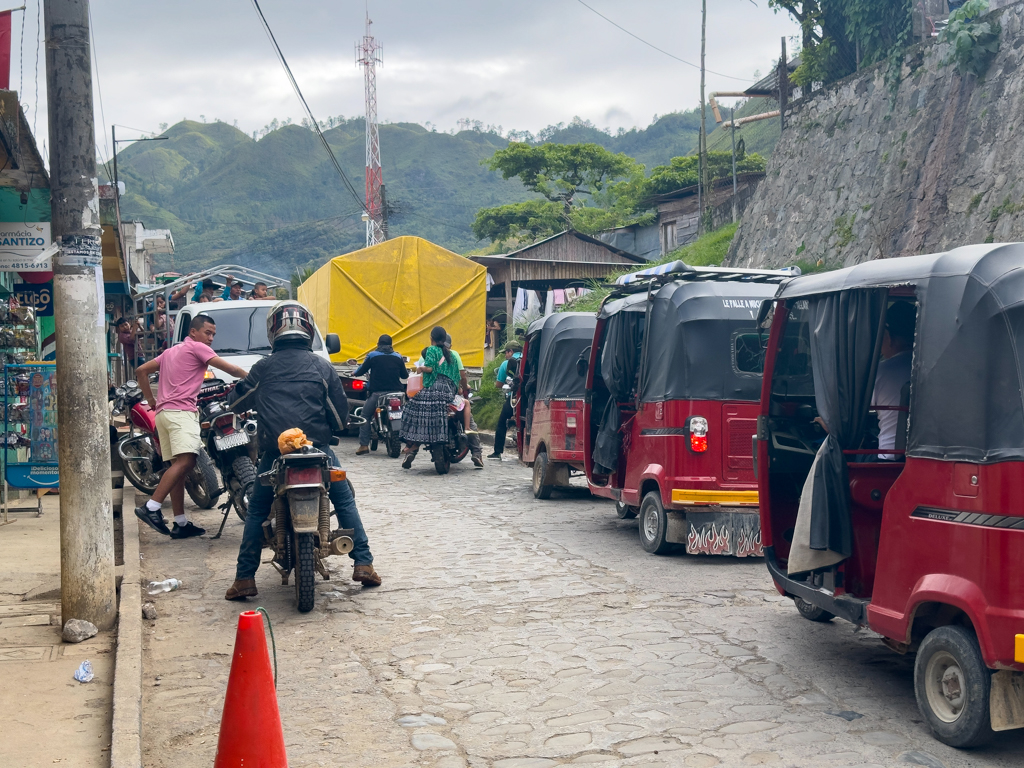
x=560 y=172
x=684 y=172
x=532 y=220
x=840 y=35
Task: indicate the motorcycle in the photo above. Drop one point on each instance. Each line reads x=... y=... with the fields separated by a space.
x=298 y=529
x=228 y=438
x=386 y=423
x=455 y=448
x=140 y=451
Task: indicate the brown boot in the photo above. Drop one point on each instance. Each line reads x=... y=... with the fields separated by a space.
x=362 y=450
x=367 y=575
x=241 y=589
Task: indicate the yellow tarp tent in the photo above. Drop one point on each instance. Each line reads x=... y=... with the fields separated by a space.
x=402 y=287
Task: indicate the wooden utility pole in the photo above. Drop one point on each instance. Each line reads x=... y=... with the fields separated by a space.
x=703 y=193
x=83 y=445
x=783 y=86
x=732 y=119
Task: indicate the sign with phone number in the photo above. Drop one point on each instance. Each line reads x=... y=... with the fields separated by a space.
x=38 y=295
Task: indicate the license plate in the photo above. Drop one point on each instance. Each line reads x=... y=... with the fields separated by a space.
x=394 y=415
x=226 y=442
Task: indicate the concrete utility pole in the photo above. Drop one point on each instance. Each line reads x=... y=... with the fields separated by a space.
x=703 y=200
x=732 y=119
x=86 y=526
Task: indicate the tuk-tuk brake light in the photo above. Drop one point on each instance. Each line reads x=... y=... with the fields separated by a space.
x=570 y=422
x=698 y=434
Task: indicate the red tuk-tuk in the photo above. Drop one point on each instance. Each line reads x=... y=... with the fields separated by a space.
x=671 y=406
x=550 y=407
x=917 y=536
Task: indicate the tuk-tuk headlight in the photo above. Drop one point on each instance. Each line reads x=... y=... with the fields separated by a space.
x=698 y=434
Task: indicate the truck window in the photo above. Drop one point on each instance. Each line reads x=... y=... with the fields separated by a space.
x=183 y=320
x=243 y=330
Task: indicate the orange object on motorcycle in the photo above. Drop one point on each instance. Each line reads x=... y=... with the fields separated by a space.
x=338 y=475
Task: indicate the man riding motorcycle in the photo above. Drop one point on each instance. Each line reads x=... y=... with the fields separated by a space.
x=292 y=387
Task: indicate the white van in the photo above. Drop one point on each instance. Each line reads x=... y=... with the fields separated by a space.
x=241 y=330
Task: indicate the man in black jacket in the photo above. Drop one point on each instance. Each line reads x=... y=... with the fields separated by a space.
x=387 y=369
x=294 y=388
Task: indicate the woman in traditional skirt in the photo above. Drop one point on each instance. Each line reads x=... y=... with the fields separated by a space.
x=425 y=417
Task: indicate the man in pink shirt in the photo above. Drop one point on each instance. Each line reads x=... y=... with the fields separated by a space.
x=182 y=369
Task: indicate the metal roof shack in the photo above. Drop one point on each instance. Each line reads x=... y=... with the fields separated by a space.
x=568 y=259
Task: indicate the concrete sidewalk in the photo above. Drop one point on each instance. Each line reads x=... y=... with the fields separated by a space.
x=50 y=718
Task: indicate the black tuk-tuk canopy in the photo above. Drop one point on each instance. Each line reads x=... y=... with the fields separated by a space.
x=967 y=390
x=563 y=338
x=693 y=338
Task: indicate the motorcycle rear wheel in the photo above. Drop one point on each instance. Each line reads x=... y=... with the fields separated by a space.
x=394 y=445
x=442 y=459
x=201 y=483
x=245 y=475
x=305 y=572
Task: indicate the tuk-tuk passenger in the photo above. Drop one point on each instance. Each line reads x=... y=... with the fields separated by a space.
x=893 y=371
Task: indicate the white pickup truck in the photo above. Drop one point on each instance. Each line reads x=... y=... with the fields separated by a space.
x=241 y=331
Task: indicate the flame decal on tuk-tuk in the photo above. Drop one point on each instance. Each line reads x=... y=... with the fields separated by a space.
x=708 y=540
x=748 y=542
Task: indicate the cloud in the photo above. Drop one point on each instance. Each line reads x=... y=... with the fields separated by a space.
x=522 y=65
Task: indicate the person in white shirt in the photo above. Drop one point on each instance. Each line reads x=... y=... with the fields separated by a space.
x=893 y=371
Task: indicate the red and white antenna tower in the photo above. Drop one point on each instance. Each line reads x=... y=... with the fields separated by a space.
x=368 y=56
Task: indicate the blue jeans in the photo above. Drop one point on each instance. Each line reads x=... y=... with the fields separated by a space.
x=259 y=509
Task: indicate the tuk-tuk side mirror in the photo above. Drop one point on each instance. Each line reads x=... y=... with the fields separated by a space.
x=583 y=363
x=333 y=344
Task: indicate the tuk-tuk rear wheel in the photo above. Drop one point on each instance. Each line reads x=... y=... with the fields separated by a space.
x=654 y=525
x=952 y=685
x=624 y=511
x=812 y=612
x=541 y=490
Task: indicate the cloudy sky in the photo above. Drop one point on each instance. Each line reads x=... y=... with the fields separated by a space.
x=522 y=65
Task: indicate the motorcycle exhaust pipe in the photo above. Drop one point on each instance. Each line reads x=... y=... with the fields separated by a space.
x=250 y=427
x=342 y=545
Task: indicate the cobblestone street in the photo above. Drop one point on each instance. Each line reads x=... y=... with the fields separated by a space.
x=517 y=633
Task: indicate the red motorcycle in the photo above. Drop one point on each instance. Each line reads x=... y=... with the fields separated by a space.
x=140 y=450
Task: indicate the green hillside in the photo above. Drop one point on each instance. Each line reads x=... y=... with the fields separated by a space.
x=277 y=203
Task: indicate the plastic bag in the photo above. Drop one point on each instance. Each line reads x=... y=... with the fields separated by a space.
x=84 y=672
x=414 y=385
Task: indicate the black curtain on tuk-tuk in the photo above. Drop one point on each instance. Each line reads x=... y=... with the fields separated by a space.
x=846 y=338
x=620 y=360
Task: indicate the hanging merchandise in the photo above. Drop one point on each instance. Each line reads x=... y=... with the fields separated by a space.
x=519 y=310
x=30 y=425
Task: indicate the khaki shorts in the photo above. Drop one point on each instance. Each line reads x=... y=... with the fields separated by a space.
x=178 y=432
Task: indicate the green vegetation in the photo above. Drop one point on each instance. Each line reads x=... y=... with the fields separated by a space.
x=974 y=42
x=757 y=137
x=1007 y=206
x=277 y=204
x=843 y=230
x=836 y=31
x=975 y=202
x=708 y=251
x=489 y=398
x=682 y=172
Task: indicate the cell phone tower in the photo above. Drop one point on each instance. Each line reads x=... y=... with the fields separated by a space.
x=368 y=56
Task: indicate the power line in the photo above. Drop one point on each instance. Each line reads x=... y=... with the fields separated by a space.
x=305 y=106
x=652 y=45
x=99 y=90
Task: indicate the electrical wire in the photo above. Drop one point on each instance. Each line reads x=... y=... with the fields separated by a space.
x=21 y=56
x=99 y=91
x=305 y=106
x=659 y=50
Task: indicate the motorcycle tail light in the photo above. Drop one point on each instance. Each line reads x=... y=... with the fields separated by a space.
x=302 y=476
x=698 y=434
x=226 y=422
x=394 y=403
x=338 y=475
x=204 y=425
x=358 y=384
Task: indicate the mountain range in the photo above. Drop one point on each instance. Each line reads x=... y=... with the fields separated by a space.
x=277 y=203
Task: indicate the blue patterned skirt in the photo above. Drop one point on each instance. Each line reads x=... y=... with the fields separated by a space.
x=425 y=417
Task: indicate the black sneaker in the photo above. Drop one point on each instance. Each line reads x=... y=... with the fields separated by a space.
x=494 y=455
x=186 y=531
x=154 y=520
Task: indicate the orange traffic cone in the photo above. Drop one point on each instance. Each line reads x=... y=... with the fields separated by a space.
x=250 y=728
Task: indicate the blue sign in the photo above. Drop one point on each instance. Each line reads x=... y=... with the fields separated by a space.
x=38 y=295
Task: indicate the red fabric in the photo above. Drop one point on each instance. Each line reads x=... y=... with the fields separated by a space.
x=5 y=50
x=36 y=277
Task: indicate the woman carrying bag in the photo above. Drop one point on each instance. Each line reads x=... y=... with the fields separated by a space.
x=426 y=415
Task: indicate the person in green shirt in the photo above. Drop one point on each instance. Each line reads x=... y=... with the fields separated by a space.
x=425 y=417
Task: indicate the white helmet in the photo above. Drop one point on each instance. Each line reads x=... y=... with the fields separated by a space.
x=289 y=320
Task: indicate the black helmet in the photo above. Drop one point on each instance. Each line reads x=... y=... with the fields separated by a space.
x=289 y=320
